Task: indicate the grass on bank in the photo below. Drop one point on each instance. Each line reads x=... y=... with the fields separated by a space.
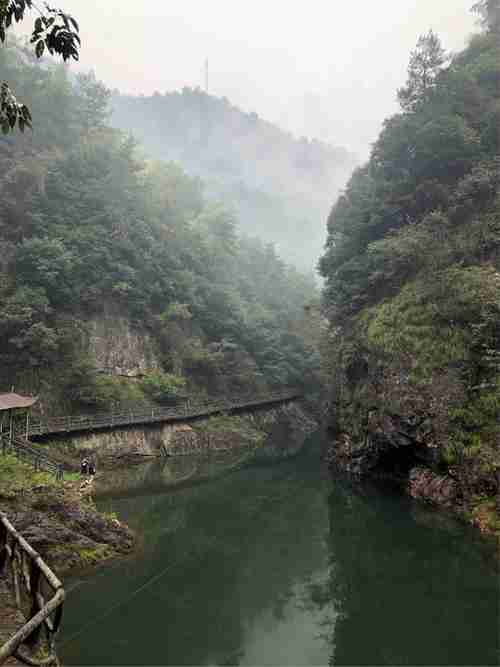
x=17 y=476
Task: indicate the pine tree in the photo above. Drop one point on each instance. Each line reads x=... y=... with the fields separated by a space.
x=425 y=64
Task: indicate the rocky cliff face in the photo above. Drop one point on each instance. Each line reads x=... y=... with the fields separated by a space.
x=424 y=484
x=389 y=446
x=380 y=427
x=118 y=349
x=112 y=345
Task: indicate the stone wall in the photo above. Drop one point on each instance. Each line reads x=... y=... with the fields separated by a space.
x=277 y=432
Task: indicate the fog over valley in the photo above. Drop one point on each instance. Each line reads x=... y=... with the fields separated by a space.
x=317 y=69
x=296 y=96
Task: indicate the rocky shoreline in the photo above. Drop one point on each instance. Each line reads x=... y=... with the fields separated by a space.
x=63 y=525
x=401 y=457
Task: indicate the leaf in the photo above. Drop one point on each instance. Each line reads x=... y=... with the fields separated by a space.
x=40 y=48
x=38 y=25
x=26 y=113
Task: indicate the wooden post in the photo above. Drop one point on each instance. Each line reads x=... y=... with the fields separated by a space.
x=498 y=489
x=27 y=423
x=10 y=427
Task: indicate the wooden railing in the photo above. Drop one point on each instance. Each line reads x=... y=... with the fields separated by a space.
x=190 y=410
x=38 y=594
x=24 y=450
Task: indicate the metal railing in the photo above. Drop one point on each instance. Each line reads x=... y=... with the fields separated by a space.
x=24 y=450
x=38 y=594
x=189 y=410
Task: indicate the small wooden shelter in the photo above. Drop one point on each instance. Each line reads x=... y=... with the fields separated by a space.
x=9 y=404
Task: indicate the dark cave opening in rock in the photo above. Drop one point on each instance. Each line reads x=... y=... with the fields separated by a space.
x=395 y=463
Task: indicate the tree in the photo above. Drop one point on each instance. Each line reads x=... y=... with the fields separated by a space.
x=425 y=64
x=93 y=103
x=53 y=30
x=489 y=13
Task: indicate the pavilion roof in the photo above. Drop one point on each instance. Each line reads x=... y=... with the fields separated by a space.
x=12 y=401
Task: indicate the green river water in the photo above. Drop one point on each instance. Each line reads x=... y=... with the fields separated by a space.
x=280 y=565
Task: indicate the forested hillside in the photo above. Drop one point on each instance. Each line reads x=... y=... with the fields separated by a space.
x=88 y=230
x=280 y=187
x=412 y=270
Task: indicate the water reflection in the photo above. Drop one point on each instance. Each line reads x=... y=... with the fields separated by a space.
x=246 y=555
x=270 y=566
x=157 y=474
x=411 y=587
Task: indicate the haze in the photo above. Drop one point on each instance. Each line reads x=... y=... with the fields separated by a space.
x=326 y=70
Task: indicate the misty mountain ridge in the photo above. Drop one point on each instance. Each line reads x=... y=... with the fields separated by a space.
x=280 y=187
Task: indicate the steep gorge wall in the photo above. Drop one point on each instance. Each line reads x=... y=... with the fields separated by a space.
x=412 y=285
x=115 y=348
x=119 y=349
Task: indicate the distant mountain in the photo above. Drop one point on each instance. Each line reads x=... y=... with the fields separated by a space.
x=281 y=187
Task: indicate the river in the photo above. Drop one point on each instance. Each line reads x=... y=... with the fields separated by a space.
x=279 y=565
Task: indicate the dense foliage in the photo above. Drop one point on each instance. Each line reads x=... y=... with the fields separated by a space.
x=412 y=263
x=279 y=186
x=85 y=225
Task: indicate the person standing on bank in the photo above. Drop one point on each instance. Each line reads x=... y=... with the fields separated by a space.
x=84 y=467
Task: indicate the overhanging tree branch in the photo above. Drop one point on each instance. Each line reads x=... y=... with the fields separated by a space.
x=54 y=31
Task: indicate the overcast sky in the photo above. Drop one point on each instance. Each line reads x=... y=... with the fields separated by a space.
x=318 y=68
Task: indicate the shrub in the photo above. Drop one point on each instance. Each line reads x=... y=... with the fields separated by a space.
x=164 y=387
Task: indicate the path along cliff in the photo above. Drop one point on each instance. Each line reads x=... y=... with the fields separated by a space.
x=60 y=519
